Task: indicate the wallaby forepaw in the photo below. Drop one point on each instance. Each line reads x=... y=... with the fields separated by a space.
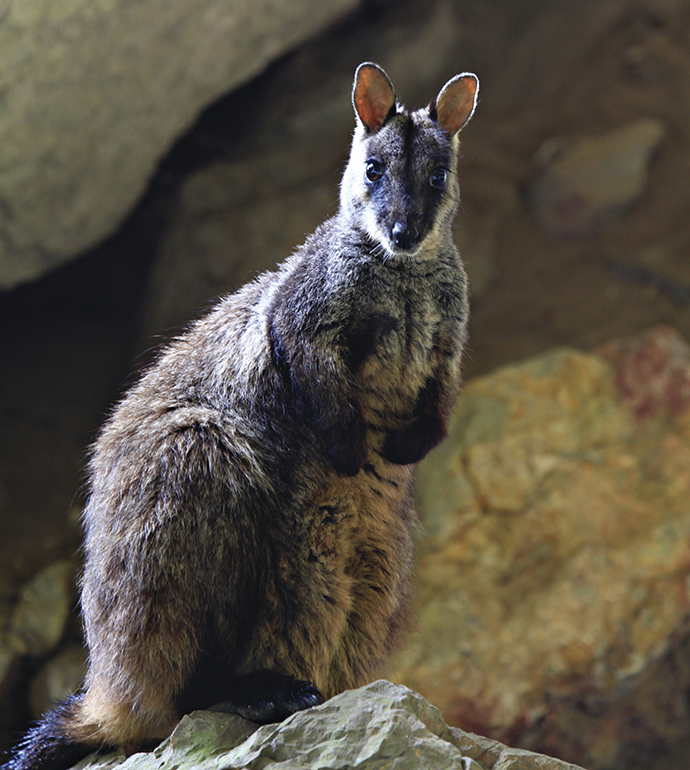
x=410 y=444
x=400 y=450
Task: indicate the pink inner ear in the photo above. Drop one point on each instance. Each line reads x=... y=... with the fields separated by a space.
x=456 y=103
x=373 y=97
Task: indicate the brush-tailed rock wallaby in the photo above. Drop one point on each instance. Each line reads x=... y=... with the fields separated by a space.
x=248 y=535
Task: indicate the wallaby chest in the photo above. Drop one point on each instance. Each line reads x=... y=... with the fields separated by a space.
x=408 y=318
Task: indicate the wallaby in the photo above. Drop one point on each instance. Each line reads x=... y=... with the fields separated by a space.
x=248 y=534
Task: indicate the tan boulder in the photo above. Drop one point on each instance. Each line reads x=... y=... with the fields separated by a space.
x=554 y=579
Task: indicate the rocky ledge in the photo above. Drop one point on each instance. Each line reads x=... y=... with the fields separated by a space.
x=380 y=725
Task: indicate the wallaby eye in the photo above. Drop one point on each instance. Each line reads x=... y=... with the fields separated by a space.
x=439 y=178
x=373 y=170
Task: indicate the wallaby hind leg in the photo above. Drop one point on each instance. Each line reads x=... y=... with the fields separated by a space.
x=161 y=551
x=135 y=723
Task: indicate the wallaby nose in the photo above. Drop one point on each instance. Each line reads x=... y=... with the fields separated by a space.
x=404 y=237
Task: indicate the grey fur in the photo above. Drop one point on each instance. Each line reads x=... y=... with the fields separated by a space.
x=250 y=519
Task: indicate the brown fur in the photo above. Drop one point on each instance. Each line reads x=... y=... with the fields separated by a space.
x=319 y=594
x=248 y=534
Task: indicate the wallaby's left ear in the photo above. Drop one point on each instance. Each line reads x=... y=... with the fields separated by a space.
x=372 y=95
x=455 y=102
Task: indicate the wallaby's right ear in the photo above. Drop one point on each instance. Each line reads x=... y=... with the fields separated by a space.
x=456 y=102
x=372 y=95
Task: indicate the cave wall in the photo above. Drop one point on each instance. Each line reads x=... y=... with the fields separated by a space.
x=140 y=180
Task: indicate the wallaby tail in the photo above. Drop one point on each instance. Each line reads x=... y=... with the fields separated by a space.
x=48 y=745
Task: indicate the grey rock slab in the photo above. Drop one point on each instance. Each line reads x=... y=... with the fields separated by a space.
x=198 y=741
x=382 y=725
x=480 y=752
x=93 y=93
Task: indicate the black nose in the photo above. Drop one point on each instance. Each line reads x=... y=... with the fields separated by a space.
x=404 y=237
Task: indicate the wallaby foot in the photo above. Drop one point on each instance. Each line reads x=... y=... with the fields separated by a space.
x=267 y=696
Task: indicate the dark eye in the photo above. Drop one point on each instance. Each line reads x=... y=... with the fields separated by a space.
x=373 y=170
x=439 y=178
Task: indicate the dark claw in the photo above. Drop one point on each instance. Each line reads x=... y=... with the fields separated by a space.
x=302 y=695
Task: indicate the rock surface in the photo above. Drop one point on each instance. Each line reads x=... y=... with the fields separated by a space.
x=40 y=617
x=652 y=372
x=57 y=679
x=380 y=725
x=586 y=182
x=32 y=625
x=94 y=93
x=553 y=582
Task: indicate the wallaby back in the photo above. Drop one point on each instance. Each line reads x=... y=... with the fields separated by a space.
x=248 y=535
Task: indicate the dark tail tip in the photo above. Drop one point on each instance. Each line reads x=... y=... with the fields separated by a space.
x=48 y=745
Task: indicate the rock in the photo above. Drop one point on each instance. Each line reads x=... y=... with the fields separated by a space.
x=93 y=94
x=478 y=242
x=380 y=725
x=652 y=372
x=586 y=182
x=40 y=617
x=553 y=581
x=57 y=678
x=10 y=675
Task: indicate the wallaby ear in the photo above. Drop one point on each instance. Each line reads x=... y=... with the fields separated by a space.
x=455 y=102
x=372 y=95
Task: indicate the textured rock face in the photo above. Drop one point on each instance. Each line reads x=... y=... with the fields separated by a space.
x=585 y=183
x=93 y=93
x=31 y=628
x=381 y=725
x=553 y=584
x=40 y=616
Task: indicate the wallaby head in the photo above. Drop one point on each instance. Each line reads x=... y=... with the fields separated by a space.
x=399 y=186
